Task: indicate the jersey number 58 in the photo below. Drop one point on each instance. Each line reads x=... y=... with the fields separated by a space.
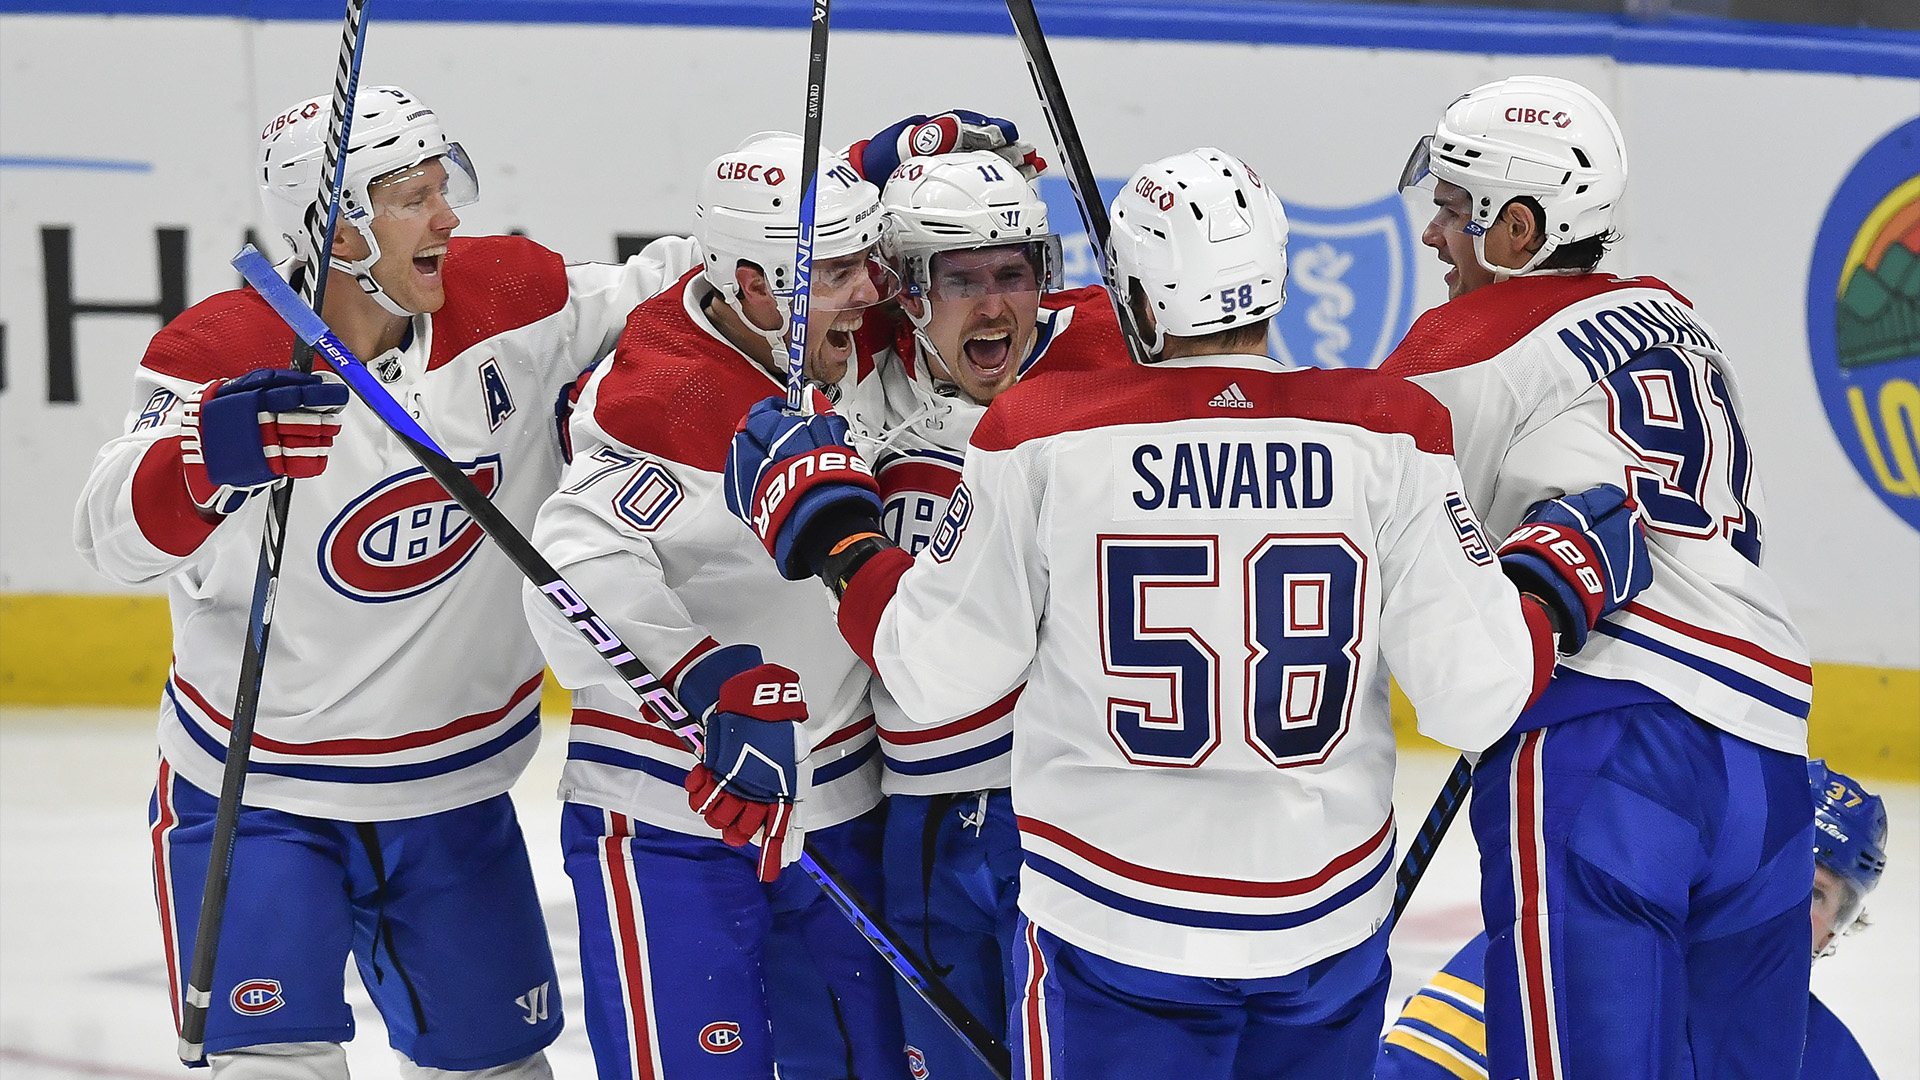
x=1299 y=604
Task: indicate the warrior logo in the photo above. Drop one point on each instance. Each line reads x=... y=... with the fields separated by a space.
x=720 y=1037
x=257 y=997
x=404 y=536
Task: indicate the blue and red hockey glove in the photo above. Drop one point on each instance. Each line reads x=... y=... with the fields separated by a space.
x=798 y=485
x=948 y=133
x=1583 y=555
x=247 y=434
x=748 y=778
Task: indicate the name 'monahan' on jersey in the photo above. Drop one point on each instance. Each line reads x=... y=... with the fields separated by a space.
x=1597 y=379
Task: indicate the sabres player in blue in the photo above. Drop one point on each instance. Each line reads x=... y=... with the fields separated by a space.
x=1441 y=1033
x=1644 y=832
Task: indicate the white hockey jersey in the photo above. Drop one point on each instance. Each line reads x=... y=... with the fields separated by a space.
x=400 y=679
x=641 y=529
x=1203 y=571
x=915 y=438
x=1558 y=383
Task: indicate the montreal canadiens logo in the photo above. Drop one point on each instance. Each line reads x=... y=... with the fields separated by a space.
x=404 y=536
x=257 y=997
x=720 y=1037
x=916 y=1063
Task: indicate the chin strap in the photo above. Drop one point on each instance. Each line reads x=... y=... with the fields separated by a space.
x=776 y=339
x=362 y=272
x=1502 y=273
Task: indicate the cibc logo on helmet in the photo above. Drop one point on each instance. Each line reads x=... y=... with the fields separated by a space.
x=278 y=123
x=750 y=172
x=1517 y=115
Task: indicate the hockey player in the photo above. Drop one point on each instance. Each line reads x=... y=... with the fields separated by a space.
x=1202 y=570
x=1442 y=1032
x=702 y=959
x=401 y=693
x=1686 y=718
x=978 y=310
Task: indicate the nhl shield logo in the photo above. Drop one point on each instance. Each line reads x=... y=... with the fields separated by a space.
x=1349 y=284
x=403 y=536
x=1349 y=275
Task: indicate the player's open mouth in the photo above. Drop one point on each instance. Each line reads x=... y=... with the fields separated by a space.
x=839 y=338
x=989 y=352
x=427 y=263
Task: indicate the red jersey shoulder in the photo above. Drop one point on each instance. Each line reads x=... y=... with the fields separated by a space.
x=494 y=284
x=1091 y=340
x=222 y=337
x=673 y=390
x=1490 y=320
x=1083 y=400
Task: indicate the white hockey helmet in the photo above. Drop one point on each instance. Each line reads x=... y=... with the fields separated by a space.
x=1529 y=135
x=1207 y=241
x=392 y=131
x=748 y=210
x=954 y=202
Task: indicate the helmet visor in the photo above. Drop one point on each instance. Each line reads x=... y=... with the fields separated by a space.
x=851 y=282
x=1032 y=266
x=443 y=181
x=1419 y=165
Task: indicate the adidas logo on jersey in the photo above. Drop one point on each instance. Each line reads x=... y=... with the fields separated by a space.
x=1231 y=398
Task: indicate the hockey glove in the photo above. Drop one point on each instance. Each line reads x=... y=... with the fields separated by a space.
x=948 y=133
x=1583 y=555
x=247 y=434
x=798 y=485
x=749 y=774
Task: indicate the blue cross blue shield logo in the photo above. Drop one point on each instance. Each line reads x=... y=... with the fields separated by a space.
x=1349 y=275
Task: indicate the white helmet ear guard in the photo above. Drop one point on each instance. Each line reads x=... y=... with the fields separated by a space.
x=1207 y=241
x=392 y=132
x=1530 y=136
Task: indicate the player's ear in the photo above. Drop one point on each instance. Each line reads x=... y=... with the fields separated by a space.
x=753 y=283
x=1521 y=226
x=348 y=244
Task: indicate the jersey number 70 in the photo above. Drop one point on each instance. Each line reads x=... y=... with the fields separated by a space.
x=1300 y=607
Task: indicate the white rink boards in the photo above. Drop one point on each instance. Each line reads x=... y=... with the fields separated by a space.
x=83 y=991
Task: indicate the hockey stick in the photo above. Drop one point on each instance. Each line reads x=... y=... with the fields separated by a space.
x=574 y=608
x=1086 y=190
x=197 y=997
x=1427 y=841
x=809 y=198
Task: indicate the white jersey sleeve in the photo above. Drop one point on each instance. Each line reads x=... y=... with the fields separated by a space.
x=1559 y=384
x=1203 y=571
x=401 y=679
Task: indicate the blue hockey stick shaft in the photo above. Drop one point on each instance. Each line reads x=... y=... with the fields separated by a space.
x=520 y=551
x=802 y=305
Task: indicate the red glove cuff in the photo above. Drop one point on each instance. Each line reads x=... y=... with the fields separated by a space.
x=787 y=481
x=1569 y=554
x=768 y=692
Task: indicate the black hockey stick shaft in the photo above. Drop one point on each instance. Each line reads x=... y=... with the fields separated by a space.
x=1452 y=794
x=197 y=997
x=575 y=609
x=1066 y=135
x=802 y=304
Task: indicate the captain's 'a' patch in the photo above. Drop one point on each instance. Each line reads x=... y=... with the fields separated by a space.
x=493 y=389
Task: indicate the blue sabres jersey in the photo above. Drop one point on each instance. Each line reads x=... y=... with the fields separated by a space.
x=1442 y=1031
